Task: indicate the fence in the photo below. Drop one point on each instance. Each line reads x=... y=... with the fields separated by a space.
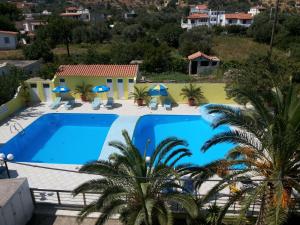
x=65 y=199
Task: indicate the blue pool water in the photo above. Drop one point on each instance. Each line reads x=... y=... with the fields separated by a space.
x=193 y=129
x=61 y=138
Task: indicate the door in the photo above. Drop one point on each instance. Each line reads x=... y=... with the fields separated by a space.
x=109 y=84
x=62 y=82
x=47 y=92
x=194 y=67
x=130 y=86
x=34 y=93
x=121 y=88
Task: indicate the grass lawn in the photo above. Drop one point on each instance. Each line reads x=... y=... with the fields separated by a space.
x=11 y=54
x=238 y=48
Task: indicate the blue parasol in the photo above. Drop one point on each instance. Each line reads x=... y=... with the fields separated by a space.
x=100 y=89
x=158 y=90
x=61 y=89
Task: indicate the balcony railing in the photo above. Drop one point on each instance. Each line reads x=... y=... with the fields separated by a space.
x=65 y=199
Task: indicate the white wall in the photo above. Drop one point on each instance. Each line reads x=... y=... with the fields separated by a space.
x=12 y=41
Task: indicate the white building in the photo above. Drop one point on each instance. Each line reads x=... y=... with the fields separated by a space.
x=256 y=10
x=200 y=15
x=8 y=40
x=77 y=13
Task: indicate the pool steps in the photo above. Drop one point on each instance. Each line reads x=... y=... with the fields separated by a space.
x=115 y=133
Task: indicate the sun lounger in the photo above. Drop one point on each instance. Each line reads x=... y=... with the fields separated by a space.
x=153 y=104
x=96 y=103
x=110 y=103
x=69 y=105
x=55 y=103
x=168 y=104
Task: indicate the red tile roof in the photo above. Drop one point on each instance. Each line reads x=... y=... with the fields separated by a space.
x=8 y=32
x=201 y=7
x=201 y=54
x=240 y=16
x=98 y=70
x=71 y=8
x=198 y=16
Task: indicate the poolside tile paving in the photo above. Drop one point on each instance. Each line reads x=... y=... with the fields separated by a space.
x=52 y=179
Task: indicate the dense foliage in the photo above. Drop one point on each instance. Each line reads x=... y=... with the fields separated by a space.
x=267 y=139
x=9 y=84
x=137 y=187
x=255 y=74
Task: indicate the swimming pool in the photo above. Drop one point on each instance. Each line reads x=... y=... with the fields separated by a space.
x=61 y=138
x=193 y=129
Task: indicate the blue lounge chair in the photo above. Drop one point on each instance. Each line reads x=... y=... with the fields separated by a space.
x=153 y=104
x=168 y=104
x=69 y=105
x=96 y=103
x=55 y=103
x=110 y=103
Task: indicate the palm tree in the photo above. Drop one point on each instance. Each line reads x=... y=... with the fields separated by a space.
x=268 y=146
x=140 y=95
x=192 y=93
x=139 y=189
x=84 y=90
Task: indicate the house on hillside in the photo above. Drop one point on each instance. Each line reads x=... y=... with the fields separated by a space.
x=77 y=13
x=201 y=15
x=256 y=10
x=119 y=78
x=8 y=40
x=200 y=62
x=241 y=19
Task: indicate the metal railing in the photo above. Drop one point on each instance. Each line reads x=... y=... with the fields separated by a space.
x=65 y=199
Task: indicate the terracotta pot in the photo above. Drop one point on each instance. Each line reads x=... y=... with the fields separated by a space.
x=192 y=102
x=140 y=102
x=83 y=98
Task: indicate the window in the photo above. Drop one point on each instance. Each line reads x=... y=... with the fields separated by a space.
x=33 y=85
x=62 y=80
x=109 y=80
x=204 y=63
x=214 y=63
x=120 y=81
x=46 y=85
x=131 y=81
x=6 y=40
x=244 y=21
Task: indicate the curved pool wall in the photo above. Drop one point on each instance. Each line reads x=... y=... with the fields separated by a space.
x=152 y=129
x=61 y=138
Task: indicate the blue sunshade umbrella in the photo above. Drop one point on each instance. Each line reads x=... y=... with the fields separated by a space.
x=61 y=89
x=100 y=89
x=158 y=90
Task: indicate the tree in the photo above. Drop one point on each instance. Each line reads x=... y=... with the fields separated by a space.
x=9 y=84
x=268 y=145
x=58 y=31
x=197 y=39
x=10 y=11
x=133 y=32
x=255 y=74
x=136 y=188
x=6 y=24
x=157 y=59
x=93 y=57
x=170 y=33
x=37 y=50
x=261 y=28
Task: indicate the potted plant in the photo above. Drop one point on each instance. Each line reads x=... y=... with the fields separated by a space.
x=192 y=93
x=84 y=90
x=140 y=95
x=24 y=93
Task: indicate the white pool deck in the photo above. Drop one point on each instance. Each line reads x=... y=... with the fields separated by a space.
x=61 y=180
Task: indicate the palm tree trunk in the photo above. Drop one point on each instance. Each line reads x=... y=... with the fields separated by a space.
x=274 y=27
x=262 y=212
